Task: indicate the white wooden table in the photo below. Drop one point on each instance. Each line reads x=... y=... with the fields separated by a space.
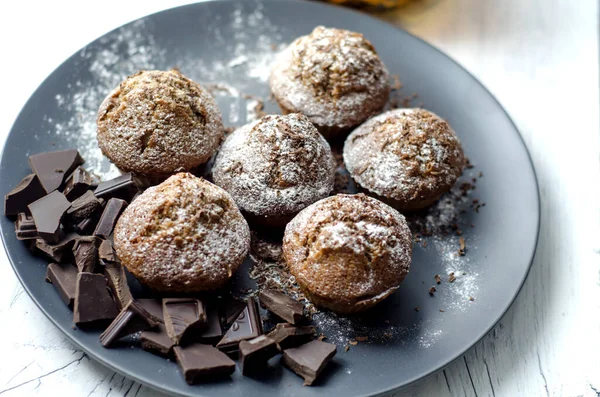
x=539 y=57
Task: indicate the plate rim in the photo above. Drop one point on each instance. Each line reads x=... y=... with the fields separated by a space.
x=398 y=387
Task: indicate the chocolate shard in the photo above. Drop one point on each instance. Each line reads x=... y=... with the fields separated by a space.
x=85 y=252
x=247 y=325
x=231 y=309
x=213 y=331
x=84 y=207
x=59 y=251
x=77 y=183
x=93 y=304
x=309 y=360
x=132 y=318
x=25 y=227
x=255 y=353
x=107 y=252
x=183 y=317
x=86 y=226
x=47 y=213
x=288 y=336
x=123 y=187
x=282 y=305
x=52 y=167
x=64 y=278
x=117 y=282
x=109 y=217
x=26 y=192
x=202 y=362
x=157 y=341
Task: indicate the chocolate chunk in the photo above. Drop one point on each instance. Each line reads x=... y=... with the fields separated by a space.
x=84 y=207
x=133 y=318
x=25 y=227
x=309 y=359
x=183 y=316
x=107 y=253
x=247 y=326
x=47 y=213
x=157 y=341
x=109 y=217
x=255 y=353
x=85 y=252
x=288 y=336
x=64 y=278
x=282 y=305
x=77 y=183
x=231 y=308
x=153 y=306
x=122 y=187
x=52 y=167
x=93 y=303
x=202 y=362
x=61 y=251
x=117 y=282
x=86 y=226
x=213 y=331
x=26 y=192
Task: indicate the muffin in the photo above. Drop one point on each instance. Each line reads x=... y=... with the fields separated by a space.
x=275 y=167
x=348 y=252
x=156 y=123
x=333 y=76
x=407 y=158
x=184 y=235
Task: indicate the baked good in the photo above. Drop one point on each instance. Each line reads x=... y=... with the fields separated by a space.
x=333 y=76
x=156 y=123
x=348 y=252
x=274 y=167
x=405 y=157
x=184 y=235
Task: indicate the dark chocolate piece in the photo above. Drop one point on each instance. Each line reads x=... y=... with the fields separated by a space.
x=86 y=226
x=84 y=207
x=26 y=192
x=85 y=252
x=47 y=213
x=52 y=167
x=60 y=251
x=77 y=183
x=213 y=332
x=202 y=362
x=109 y=217
x=309 y=359
x=117 y=282
x=25 y=227
x=231 y=309
x=282 y=305
x=247 y=326
x=107 y=252
x=123 y=187
x=133 y=318
x=157 y=341
x=93 y=303
x=255 y=353
x=64 y=278
x=288 y=336
x=183 y=317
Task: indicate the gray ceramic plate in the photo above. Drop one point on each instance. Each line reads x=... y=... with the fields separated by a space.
x=233 y=42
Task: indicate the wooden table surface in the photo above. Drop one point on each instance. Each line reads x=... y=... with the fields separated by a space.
x=538 y=57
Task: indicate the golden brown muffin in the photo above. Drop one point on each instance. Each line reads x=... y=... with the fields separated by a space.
x=275 y=167
x=333 y=76
x=405 y=157
x=156 y=123
x=348 y=252
x=184 y=235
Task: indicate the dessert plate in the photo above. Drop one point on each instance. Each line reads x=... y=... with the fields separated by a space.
x=232 y=43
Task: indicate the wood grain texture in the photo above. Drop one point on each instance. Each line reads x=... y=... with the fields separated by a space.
x=538 y=57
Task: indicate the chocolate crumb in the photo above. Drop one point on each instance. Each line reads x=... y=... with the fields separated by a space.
x=424 y=243
x=451 y=277
x=353 y=342
x=442 y=310
x=432 y=290
x=463 y=248
x=321 y=337
x=387 y=335
x=480 y=174
x=471 y=298
x=417 y=308
x=438 y=279
x=362 y=338
x=346 y=348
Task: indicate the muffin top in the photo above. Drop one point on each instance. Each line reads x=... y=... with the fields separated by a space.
x=159 y=122
x=275 y=166
x=348 y=249
x=183 y=235
x=333 y=76
x=404 y=154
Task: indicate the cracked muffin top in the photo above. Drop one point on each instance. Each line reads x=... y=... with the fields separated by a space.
x=348 y=252
x=333 y=76
x=159 y=122
x=184 y=235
